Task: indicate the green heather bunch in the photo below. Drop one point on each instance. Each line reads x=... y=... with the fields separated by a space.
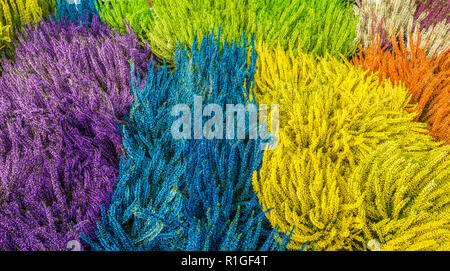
x=137 y=14
x=319 y=26
x=14 y=14
x=4 y=35
x=396 y=18
x=323 y=26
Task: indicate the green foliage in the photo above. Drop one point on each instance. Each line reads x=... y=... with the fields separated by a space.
x=320 y=27
x=137 y=14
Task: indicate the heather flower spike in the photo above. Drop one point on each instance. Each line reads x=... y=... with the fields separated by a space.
x=334 y=116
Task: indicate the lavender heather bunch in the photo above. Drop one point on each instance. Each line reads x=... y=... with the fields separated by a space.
x=90 y=62
x=436 y=10
x=59 y=144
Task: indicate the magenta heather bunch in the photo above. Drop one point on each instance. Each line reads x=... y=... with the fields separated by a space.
x=60 y=103
x=438 y=10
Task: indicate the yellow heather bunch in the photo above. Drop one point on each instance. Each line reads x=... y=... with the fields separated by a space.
x=332 y=117
x=406 y=203
x=4 y=35
x=14 y=14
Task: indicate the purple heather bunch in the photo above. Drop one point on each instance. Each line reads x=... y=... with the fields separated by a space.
x=59 y=144
x=437 y=11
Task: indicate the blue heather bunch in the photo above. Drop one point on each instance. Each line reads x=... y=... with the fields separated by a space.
x=221 y=206
x=79 y=11
x=168 y=192
x=60 y=147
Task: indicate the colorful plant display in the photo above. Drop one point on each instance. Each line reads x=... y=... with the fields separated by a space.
x=427 y=79
x=224 y=125
x=181 y=194
x=275 y=21
x=394 y=19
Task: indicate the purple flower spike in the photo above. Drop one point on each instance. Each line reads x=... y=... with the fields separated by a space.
x=60 y=147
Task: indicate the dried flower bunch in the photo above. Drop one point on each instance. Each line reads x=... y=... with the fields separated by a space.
x=181 y=194
x=437 y=11
x=394 y=19
x=405 y=204
x=118 y=14
x=324 y=26
x=80 y=11
x=60 y=146
x=332 y=117
x=427 y=79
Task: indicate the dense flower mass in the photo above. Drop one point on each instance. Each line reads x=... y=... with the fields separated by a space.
x=14 y=15
x=332 y=116
x=436 y=11
x=60 y=147
x=394 y=19
x=405 y=202
x=224 y=125
x=181 y=194
x=427 y=79
x=79 y=11
x=284 y=21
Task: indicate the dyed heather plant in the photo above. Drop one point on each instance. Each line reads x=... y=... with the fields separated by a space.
x=324 y=26
x=4 y=35
x=14 y=15
x=180 y=194
x=74 y=10
x=405 y=202
x=393 y=19
x=137 y=14
x=60 y=147
x=427 y=79
x=332 y=116
x=437 y=11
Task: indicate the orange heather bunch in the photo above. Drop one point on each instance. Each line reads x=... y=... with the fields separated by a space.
x=427 y=79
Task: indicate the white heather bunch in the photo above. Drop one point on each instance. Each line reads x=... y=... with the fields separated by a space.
x=437 y=35
x=391 y=18
x=384 y=17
